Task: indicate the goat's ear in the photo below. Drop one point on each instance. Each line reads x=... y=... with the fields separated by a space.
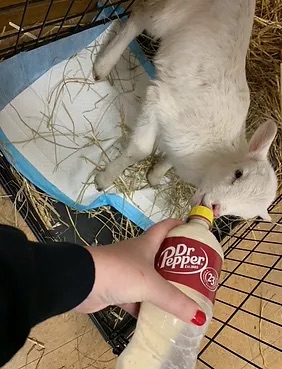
x=262 y=139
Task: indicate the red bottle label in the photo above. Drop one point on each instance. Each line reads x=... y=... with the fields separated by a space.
x=191 y=263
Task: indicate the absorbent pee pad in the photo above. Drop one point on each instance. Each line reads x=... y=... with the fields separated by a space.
x=58 y=126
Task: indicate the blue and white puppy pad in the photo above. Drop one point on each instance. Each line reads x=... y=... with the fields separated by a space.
x=58 y=126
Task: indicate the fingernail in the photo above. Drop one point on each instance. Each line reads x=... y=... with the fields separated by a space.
x=199 y=319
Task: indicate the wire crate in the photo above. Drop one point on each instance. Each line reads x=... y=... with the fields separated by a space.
x=28 y=24
x=247 y=323
x=246 y=330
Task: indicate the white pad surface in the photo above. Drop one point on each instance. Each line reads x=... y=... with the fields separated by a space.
x=66 y=130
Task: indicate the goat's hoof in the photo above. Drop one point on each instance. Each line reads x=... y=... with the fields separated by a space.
x=153 y=179
x=97 y=78
x=100 y=71
x=102 y=181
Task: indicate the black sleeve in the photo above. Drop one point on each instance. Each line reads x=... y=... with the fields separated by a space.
x=37 y=281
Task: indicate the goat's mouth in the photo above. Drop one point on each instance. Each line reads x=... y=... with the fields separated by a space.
x=215 y=207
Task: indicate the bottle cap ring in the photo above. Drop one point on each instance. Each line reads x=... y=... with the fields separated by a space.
x=203 y=212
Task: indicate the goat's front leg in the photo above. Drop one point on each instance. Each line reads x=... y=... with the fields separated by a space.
x=141 y=145
x=114 y=50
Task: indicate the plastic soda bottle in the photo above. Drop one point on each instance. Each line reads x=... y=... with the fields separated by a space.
x=191 y=258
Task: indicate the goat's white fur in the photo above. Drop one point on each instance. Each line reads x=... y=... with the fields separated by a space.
x=196 y=108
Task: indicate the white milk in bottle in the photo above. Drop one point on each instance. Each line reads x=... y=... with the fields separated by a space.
x=190 y=258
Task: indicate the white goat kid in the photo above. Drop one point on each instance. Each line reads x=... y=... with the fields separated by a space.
x=195 y=110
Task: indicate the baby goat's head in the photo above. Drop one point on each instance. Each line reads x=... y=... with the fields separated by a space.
x=243 y=188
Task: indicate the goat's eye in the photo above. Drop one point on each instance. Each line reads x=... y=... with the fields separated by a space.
x=238 y=174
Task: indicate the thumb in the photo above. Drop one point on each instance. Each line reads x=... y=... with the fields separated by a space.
x=170 y=299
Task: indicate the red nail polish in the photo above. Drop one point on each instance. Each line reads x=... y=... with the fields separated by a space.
x=199 y=319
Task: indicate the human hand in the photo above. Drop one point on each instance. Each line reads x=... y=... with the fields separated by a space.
x=125 y=275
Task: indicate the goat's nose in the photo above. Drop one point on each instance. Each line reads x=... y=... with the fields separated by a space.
x=216 y=210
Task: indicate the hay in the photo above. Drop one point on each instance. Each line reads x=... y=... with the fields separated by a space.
x=264 y=73
x=41 y=203
x=120 y=227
